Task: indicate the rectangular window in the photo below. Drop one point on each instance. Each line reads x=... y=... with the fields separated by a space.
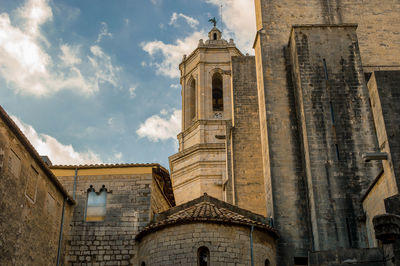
x=14 y=164
x=96 y=206
x=31 y=184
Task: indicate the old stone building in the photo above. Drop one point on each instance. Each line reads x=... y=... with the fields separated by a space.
x=114 y=202
x=35 y=209
x=288 y=157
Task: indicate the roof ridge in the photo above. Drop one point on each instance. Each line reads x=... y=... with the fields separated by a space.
x=207 y=209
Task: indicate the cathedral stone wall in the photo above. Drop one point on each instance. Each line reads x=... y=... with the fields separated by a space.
x=246 y=144
x=384 y=98
x=31 y=205
x=377 y=21
x=373 y=204
x=379 y=45
x=336 y=127
x=384 y=87
x=128 y=210
x=228 y=245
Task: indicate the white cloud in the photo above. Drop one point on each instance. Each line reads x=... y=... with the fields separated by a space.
x=57 y=152
x=192 y=22
x=166 y=57
x=239 y=24
x=33 y=14
x=161 y=127
x=132 y=92
x=239 y=21
x=70 y=55
x=175 y=86
x=104 y=32
x=104 y=69
x=26 y=64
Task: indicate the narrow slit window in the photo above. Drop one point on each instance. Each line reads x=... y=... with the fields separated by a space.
x=217 y=93
x=96 y=205
x=192 y=99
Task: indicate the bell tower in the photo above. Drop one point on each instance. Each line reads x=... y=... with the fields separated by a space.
x=200 y=165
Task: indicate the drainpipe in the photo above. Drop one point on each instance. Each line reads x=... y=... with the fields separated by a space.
x=75 y=181
x=61 y=233
x=251 y=245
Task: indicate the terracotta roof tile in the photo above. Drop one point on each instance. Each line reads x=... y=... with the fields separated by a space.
x=207 y=209
x=91 y=166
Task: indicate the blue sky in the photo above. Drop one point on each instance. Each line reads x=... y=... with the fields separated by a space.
x=97 y=81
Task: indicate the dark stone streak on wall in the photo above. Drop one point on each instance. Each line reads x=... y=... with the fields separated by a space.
x=388 y=83
x=334 y=181
x=379 y=46
x=296 y=135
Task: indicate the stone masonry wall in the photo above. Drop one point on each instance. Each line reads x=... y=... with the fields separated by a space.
x=158 y=202
x=387 y=84
x=246 y=144
x=228 y=245
x=110 y=242
x=336 y=128
x=379 y=44
x=30 y=207
x=282 y=164
x=373 y=204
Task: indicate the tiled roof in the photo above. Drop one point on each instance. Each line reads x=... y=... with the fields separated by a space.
x=207 y=209
x=87 y=166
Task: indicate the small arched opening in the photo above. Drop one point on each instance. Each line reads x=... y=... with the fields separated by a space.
x=215 y=36
x=203 y=256
x=217 y=93
x=267 y=263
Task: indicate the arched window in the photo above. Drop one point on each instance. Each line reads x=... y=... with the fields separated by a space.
x=142 y=264
x=215 y=36
x=203 y=256
x=192 y=99
x=96 y=204
x=267 y=263
x=217 y=93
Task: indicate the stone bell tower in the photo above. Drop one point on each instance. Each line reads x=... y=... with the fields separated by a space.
x=200 y=165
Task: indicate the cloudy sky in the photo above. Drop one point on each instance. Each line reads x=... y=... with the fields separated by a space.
x=97 y=81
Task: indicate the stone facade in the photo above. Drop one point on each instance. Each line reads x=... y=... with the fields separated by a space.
x=34 y=207
x=336 y=127
x=134 y=194
x=283 y=167
x=246 y=157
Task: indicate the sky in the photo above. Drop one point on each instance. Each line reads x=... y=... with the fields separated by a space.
x=97 y=81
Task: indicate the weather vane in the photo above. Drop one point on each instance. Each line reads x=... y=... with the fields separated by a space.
x=213 y=21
